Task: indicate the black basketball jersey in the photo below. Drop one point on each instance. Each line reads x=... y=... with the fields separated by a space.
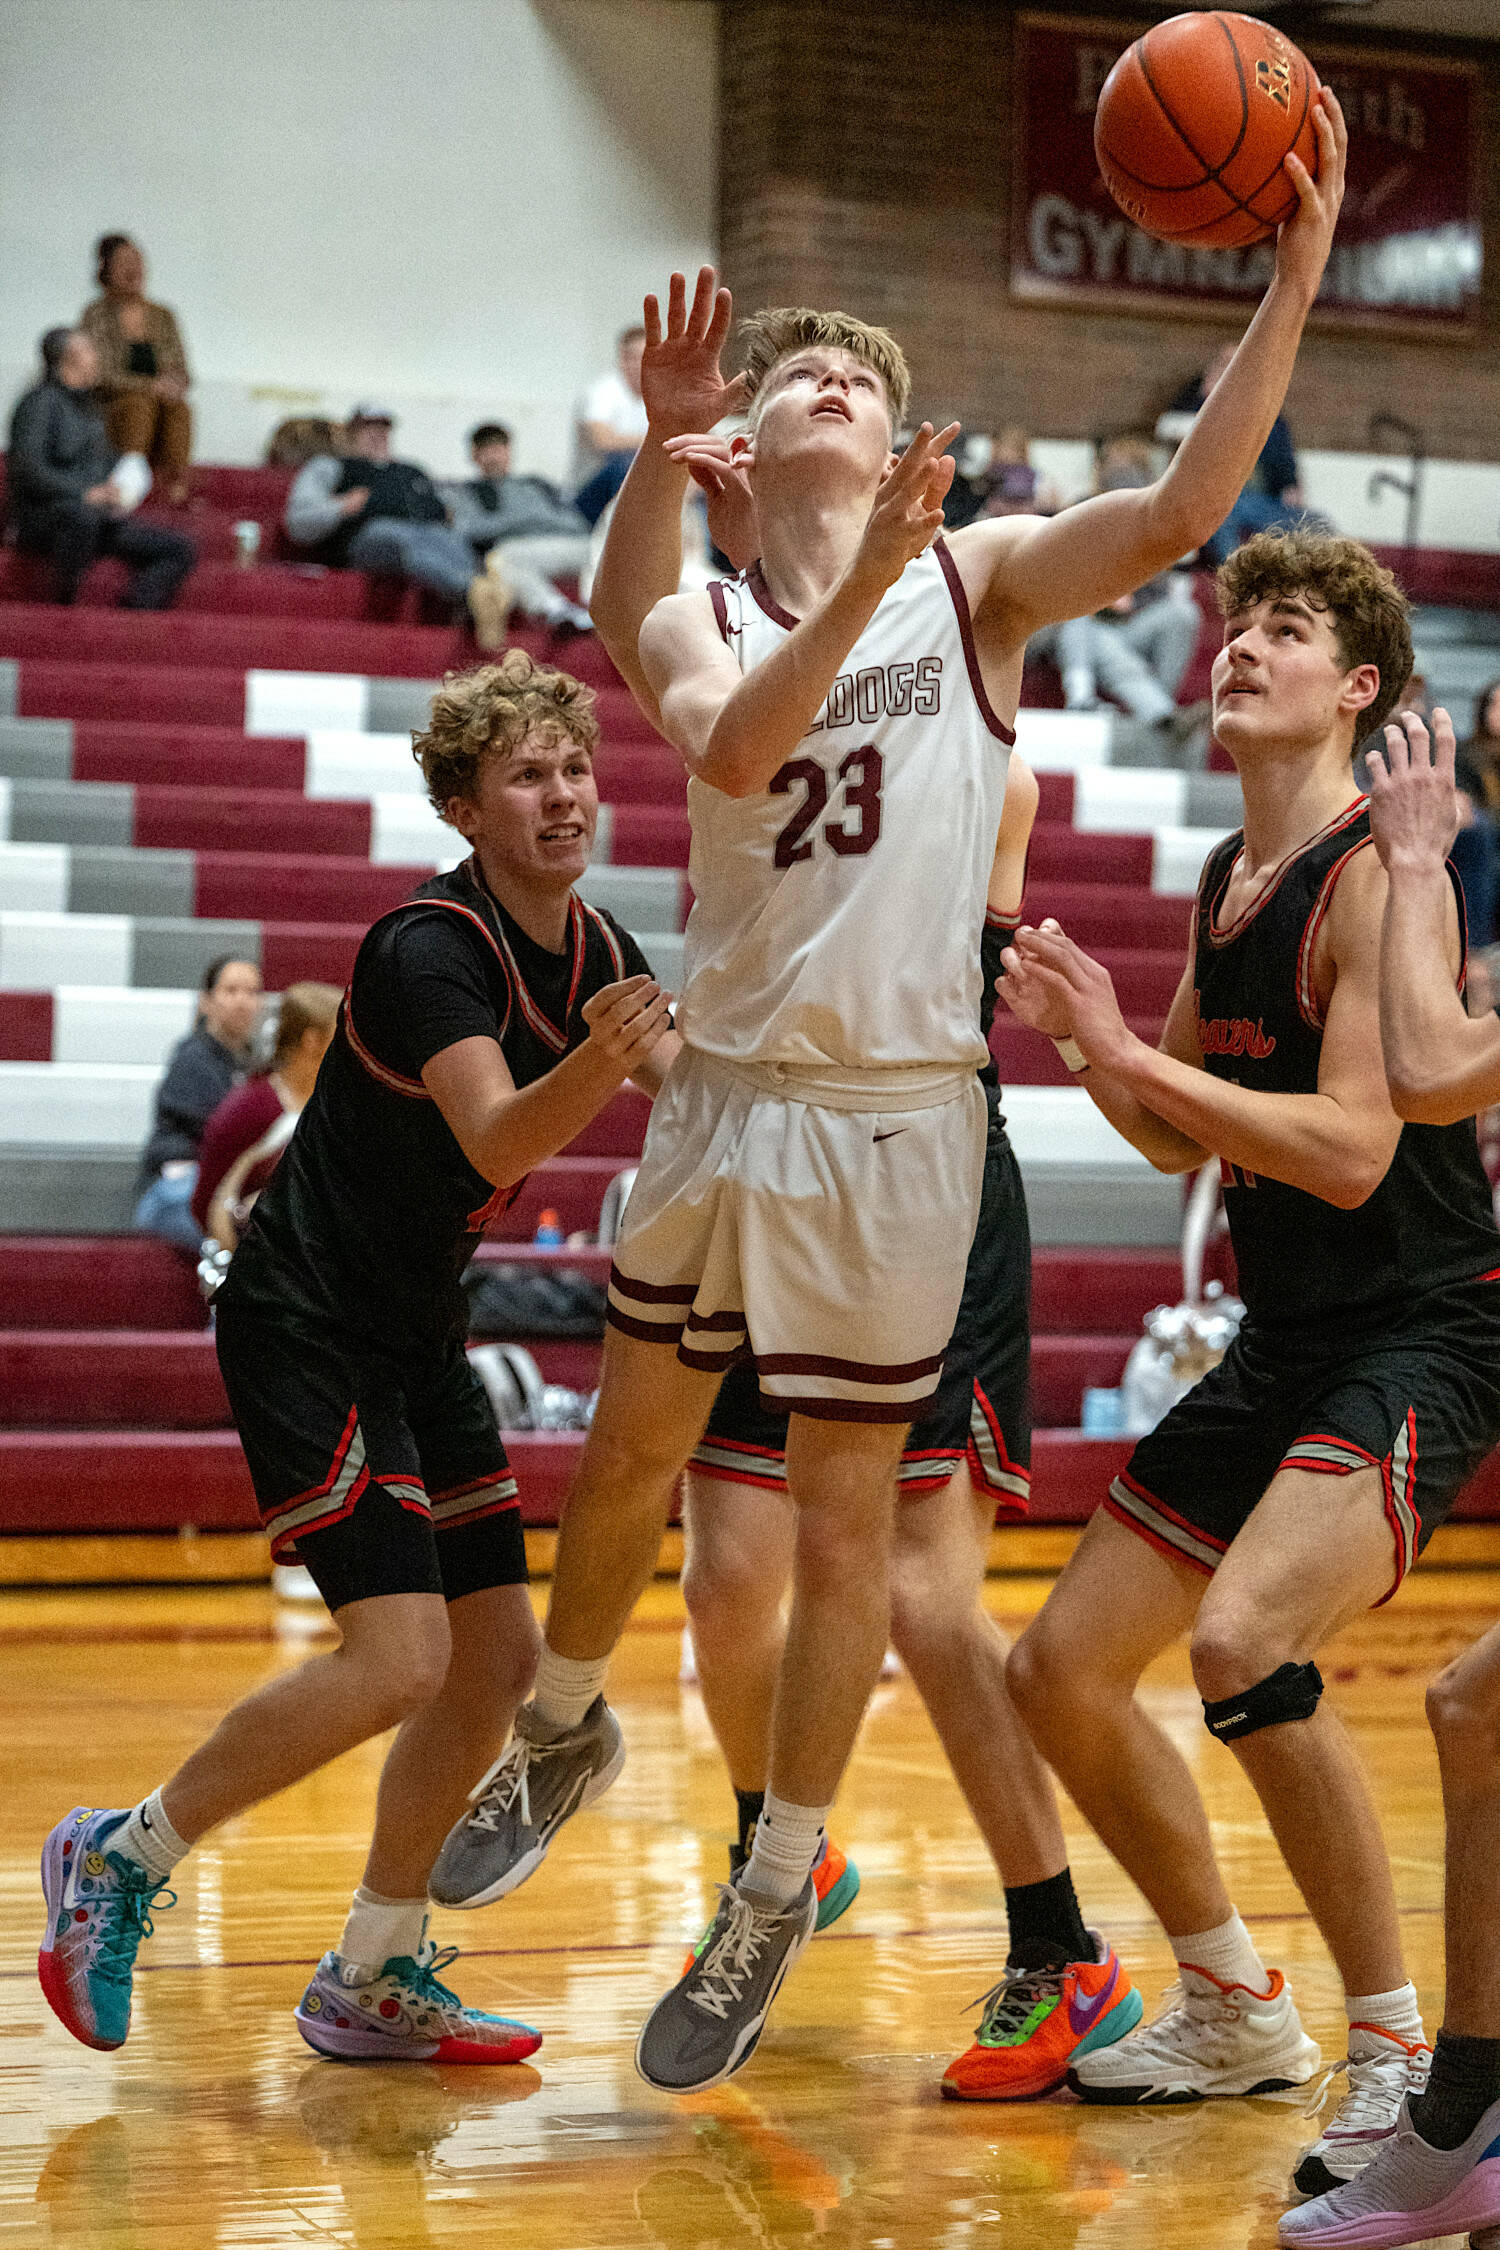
x=374 y=1210
x=1303 y=1262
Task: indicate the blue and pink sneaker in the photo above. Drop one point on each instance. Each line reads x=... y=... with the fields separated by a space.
x=99 y=1907
x=404 y=2015
x=1409 y=2192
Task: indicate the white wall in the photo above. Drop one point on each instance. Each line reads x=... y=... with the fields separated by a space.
x=452 y=205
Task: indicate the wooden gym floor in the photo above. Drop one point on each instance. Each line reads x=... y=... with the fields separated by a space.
x=215 y=2126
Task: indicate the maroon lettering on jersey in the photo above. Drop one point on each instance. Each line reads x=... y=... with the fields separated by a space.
x=895 y=690
x=929 y=695
x=1233 y=1035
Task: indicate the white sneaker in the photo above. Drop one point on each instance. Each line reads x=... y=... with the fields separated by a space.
x=1210 y=2039
x=1382 y=2070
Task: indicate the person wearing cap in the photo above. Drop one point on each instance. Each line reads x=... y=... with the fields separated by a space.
x=362 y=510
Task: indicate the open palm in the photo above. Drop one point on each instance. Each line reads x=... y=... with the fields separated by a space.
x=681 y=381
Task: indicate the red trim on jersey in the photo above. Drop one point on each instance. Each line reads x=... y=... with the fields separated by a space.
x=845 y=1370
x=718 y=1473
x=1326 y=1437
x=1493 y=1275
x=845 y=1409
x=720 y=607
x=1154 y=1539
x=653 y=1292
x=1307 y=995
x=316 y=1491
x=1283 y=868
x=987 y=711
x=646 y=1331
x=755 y=579
x=1194 y=1530
x=496 y=1206
x=373 y=1067
x=616 y=952
x=405 y=1478
x=977 y=1472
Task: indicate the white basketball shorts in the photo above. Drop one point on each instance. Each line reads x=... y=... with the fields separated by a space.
x=828 y=1243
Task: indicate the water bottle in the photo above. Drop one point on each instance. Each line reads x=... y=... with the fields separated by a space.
x=549 y=1233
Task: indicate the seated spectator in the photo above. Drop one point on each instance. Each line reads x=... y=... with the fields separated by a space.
x=143 y=369
x=612 y=422
x=528 y=533
x=1138 y=649
x=1272 y=500
x=360 y=510
x=300 y=439
x=1476 y=852
x=252 y=1125
x=61 y=496
x=996 y=477
x=205 y=1066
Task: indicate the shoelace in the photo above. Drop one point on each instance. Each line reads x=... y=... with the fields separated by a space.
x=1377 y=2086
x=1004 y=2009
x=1203 y=2021
x=507 y=1784
x=127 y=1918
x=724 y=1966
x=424 y=1980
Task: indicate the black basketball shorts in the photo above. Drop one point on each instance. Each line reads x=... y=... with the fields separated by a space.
x=382 y=1472
x=1417 y=1399
x=980 y=1411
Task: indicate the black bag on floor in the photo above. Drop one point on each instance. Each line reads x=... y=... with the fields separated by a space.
x=526 y=1303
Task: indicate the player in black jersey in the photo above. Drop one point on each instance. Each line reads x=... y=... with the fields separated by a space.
x=1438 y=2174
x=487 y=1020
x=1295 y=1484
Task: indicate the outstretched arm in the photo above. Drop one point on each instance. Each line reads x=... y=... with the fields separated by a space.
x=1037 y=570
x=1441 y=1063
x=685 y=393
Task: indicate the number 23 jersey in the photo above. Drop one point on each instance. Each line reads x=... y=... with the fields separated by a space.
x=837 y=915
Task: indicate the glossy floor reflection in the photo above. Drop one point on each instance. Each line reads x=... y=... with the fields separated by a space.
x=216 y=2127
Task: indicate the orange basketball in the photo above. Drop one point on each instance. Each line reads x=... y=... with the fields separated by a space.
x=1193 y=123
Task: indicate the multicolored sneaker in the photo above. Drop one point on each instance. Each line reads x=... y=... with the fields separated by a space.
x=835 y=1882
x=404 y=2015
x=1037 y=2022
x=1408 y=2192
x=1382 y=2070
x=99 y=1907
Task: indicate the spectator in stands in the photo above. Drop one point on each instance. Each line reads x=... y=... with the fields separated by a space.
x=996 y=477
x=252 y=1125
x=1273 y=498
x=1476 y=851
x=612 y=422
x=205 y=1066
x=300 y=439
x=529 y=534
x=360 y=510
x=61 y=497
x=143 y=369
x=1138 y=649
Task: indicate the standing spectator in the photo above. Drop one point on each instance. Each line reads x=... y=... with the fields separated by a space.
x=205 y=1066
x=143 y=369
x=62 y=500
x=252 y=1125
x=612 y=422
x=1475 y=849
x=530 y=534
x=1272 y=500
x=360 y=510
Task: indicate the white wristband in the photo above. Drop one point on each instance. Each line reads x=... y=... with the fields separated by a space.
x=1072 y=1054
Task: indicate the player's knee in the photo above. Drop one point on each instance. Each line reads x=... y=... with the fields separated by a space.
x=1232 y=1647
x=726 y=1590
x=1285 y=1696
x=928 y=1615
x=413 y=1669
x=1041 y=1679
x=836 y=1544
x=1463 y=1711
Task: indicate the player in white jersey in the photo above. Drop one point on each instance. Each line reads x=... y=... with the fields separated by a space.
x=808 y=1189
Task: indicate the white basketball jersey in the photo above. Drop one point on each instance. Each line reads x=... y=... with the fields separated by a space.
x=836 y=916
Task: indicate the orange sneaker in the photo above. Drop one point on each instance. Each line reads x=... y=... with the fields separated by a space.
x=835 y=1880
x=1036 y=2022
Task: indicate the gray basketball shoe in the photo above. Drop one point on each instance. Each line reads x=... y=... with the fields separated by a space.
x=535 y=1784
x=708 y=2023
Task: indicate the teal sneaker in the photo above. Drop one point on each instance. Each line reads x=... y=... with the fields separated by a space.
x=405 y=2014
x=99 y=1907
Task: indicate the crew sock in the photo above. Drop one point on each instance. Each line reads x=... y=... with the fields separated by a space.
x=786 y=1844
x=1046 y=1927
x=1396 y=2012
x=751 y=1803
x=1227 y=1953
x=148 y=1837
x=378 y=1930
x=1465 y=2081
x=565 y=1687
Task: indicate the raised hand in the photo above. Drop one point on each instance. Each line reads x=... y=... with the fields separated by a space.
x=908 y=511
x=723 y=478
x=681 y=381
x=1060 y=982
x=1413 y=794
x=626 y=1020
x=1305 y=239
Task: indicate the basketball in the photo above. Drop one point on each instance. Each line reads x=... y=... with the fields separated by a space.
x=1193 y=123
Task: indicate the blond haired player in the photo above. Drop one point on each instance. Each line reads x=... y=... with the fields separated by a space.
x=810 y=1180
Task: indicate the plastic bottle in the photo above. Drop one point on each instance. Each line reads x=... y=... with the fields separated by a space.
x=549 y=1231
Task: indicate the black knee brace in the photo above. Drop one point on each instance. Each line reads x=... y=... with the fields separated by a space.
x=1291 y=1692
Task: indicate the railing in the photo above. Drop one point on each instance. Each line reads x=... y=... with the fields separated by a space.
x=1383 y=427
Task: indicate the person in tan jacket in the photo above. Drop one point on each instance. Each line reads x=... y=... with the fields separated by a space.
x=143 y=367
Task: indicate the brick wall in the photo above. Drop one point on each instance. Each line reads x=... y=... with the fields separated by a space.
x=864 y=164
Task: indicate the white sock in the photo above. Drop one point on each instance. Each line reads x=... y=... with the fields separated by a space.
x=566 y=1686
x=379 y=1930
x=148 y=1837
x=786 y=1844
x=1396 y=2012
x=1227 y=1953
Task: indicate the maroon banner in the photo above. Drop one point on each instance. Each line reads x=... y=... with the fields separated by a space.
x=1408 y=252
